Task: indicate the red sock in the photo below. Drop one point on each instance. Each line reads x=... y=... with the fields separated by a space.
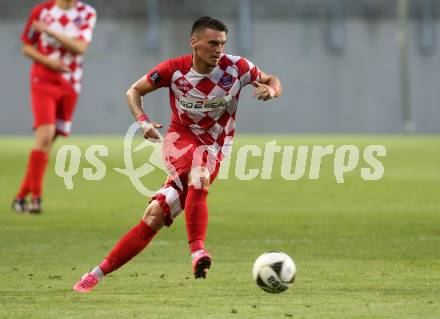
x=33 y=179
x=24 y=188
x=39 y=164
x=196 y=216
x=129 y=246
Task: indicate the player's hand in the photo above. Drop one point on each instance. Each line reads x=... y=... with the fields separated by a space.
x=263 y=92
x=41 y=27
x=150 y=130
x=57 y=65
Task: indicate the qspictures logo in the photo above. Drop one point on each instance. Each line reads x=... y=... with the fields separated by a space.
x=294 y=162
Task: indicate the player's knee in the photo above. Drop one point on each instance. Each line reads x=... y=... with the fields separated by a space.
x=199 y=177
x=44 y=137
x=154 y=216
x=46 y=140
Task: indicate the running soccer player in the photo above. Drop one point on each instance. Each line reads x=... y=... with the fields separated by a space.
x=55 y=38
x=204 y=89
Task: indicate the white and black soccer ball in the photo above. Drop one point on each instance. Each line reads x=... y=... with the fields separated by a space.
x=274 y=272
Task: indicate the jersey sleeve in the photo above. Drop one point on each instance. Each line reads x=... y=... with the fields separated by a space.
x=248 y=71
x=29 y=35
x=160 y=75
x=88 y=25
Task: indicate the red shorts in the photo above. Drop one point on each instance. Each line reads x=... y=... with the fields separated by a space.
x=53 y=102
x=181 y=153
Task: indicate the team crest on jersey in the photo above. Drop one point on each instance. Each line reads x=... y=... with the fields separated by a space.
x=226 y=81
x=77 y=21
x=183 y=85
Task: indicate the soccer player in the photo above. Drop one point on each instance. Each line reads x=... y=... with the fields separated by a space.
x=204 y=89
x=55 y=38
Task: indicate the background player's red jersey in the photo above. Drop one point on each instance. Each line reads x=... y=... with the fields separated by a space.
x=77 y=23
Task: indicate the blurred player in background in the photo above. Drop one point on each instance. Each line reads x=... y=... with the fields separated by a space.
x=55 y=37
x=204 y=89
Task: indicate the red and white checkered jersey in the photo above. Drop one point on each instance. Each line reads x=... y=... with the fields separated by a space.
x=205 y=104
x=77 y=22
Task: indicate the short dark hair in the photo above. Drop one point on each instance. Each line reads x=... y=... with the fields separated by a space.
x=208 y=23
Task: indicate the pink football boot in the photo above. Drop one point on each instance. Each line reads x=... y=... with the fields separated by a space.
x=87 y=282
x=201 y=262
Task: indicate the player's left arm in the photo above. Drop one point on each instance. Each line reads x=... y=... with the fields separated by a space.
x=76 y=46
x=267 y=87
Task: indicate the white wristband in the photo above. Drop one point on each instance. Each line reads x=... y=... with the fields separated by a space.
x=146 y=125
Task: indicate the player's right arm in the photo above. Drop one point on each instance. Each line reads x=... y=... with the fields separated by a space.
x=158 y=77
x=30 y=38
x=32 y=52
x=135 y=103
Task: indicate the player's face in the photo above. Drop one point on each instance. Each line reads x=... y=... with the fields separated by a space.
x=208 y=45
x=65 y=4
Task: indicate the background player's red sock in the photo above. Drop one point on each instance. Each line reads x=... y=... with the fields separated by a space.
x=39 y=164
x=196 y=216
x=129 y=246
x=33 y=179
x=25 y=184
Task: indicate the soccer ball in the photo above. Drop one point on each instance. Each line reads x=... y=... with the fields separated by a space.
x=274 y=272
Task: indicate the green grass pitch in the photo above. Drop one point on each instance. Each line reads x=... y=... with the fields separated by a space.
x=362 y=249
